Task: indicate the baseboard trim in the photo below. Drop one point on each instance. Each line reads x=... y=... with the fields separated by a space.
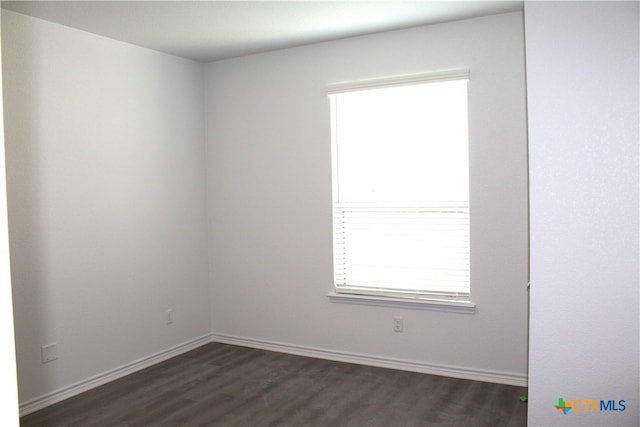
x=100 y=379
x=381 y=362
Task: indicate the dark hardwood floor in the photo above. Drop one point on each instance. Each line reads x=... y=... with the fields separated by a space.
x=226 y=385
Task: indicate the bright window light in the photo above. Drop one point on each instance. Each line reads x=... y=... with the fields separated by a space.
x=401 y=190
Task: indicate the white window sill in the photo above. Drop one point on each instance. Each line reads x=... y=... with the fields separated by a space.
x=466 y=307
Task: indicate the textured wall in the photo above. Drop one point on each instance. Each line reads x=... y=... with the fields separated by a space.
x=582 y=82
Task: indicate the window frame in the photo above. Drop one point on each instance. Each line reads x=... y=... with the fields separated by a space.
x=431 y=300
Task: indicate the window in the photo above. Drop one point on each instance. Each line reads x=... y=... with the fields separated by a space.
x=401 y=188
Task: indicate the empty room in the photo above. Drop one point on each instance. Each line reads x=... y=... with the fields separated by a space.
x=323 y=213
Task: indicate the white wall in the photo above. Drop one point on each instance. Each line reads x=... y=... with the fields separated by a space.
x=8 y=376
x=269 y=168
x=582 y=82
x=106 y=191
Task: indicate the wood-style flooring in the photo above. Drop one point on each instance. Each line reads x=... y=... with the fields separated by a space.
x=227 y=385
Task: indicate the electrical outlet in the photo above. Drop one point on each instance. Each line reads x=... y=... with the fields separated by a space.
x=398 y=324
x=49 y=352
x=169 y=316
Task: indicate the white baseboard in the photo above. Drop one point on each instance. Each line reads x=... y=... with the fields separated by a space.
x=98 y=380
x=381 y=362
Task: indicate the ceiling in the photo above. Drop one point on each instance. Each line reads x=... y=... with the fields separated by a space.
x=213 y=30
